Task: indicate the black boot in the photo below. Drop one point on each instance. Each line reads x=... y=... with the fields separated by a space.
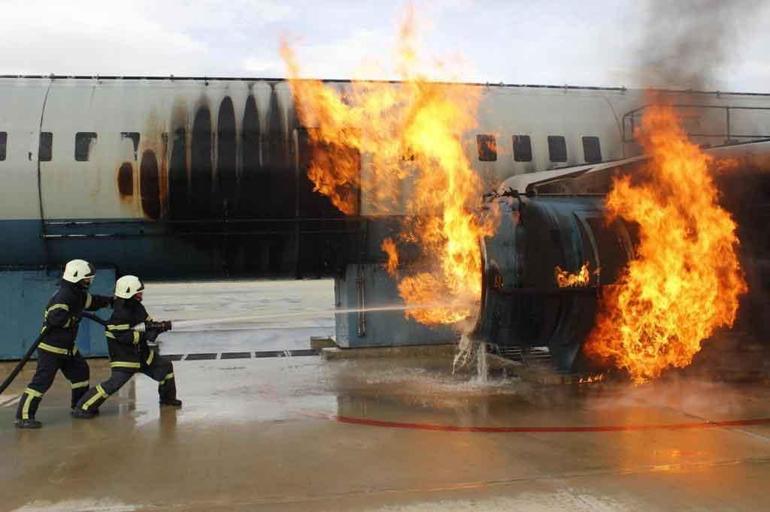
x=94 y=411
x=173 y=402
x=28 y=423
x=82 y=415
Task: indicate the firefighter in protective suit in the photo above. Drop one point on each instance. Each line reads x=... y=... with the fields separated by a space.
x=57 y=350
x=131 y=350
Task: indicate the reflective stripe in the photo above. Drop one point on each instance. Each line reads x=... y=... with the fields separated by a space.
x=137 y=336
x=32 y=392
x=118 y=327
x=99 y=394
x=81 y=384
x=167 y=377
x=89 y=301
x=124 y=364
x=55 y=350
x=150 y=357
x=65 y=307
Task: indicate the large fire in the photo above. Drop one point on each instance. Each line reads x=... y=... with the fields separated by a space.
x=413 y=163
x=685 y=280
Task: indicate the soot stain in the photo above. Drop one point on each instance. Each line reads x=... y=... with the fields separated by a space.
x=179 y=191
x=126 y=179
x=220 y=170
x=149 y=185
x=200 y=165
x=253 y=180
x=281 y=197
x=227 y=147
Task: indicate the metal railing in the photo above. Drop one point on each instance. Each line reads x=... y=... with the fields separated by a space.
x=631 y=121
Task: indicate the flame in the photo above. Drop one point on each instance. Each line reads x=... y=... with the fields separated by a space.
x=409 y=134
x=686 y=278
x=566 y=279
x=591 y=379
x=389 y=247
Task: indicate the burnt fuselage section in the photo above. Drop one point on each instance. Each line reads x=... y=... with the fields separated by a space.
x=560 y=222
x=522 y=303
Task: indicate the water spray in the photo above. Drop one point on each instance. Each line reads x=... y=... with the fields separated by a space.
x=191 y=325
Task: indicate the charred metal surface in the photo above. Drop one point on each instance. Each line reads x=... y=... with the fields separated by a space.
x=200 y=165
x=126 y=179
x=745 y=192
x=179 y=191
x=252 y=175
x=241 y=200
x=227 y=178
x=280 y=194
x=149 y=185
x=522 y=305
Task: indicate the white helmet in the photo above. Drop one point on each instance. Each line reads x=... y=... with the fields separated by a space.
x=77 y=270
x=128 y=286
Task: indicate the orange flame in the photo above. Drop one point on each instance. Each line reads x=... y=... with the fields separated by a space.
x=591 y=379
x=412 y=163
x=389 y=247
x=686 y=279
x=566 y=279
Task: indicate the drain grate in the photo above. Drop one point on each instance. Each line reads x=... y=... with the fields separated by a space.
x=526 y=355
x=235 y=355
x=287 y=353
x=200 y=357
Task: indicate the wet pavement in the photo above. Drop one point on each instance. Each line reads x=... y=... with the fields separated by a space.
x=388 y=434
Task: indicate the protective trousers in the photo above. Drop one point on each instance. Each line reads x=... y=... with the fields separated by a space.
x=74 y=368
x=159 y=369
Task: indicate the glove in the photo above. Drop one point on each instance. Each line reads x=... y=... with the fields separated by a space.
x=150 y=335
x=152 y=325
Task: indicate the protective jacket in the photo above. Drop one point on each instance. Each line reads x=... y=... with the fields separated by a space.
x=62 y=317
x=127 y=346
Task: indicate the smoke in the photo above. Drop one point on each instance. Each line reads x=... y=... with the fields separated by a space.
x=687 y=43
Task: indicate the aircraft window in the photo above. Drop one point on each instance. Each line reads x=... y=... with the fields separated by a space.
x=3 y=142
x=522 y=148
x=557 y=148
x=84 y=141
x=487 y=145
x=134 y=138
x=592 y=150
x=45 y=148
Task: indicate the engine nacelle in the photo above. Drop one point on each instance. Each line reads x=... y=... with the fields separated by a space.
x=557 y=219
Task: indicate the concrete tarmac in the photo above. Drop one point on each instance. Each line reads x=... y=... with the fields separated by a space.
x=387 y=434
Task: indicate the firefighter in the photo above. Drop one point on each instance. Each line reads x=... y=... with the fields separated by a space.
x=57 y=350
x=131 y=350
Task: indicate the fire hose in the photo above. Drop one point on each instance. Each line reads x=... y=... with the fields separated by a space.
x=155 y=327
x=23 y=361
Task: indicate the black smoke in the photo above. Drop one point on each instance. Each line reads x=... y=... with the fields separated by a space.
x=686 y=43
